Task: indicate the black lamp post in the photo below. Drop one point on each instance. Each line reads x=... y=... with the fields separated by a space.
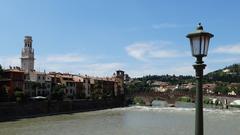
x=199 y=41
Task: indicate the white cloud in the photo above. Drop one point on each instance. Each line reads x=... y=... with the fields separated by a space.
x=229 y=49
x=224 y=60
x=65 y=58
x=102 y=69
x=7 y=61
x=164 y=25
x=93 y=69
x=70 y=63
x=182 y=70
x=149 y=69
x=73 y=63
x=104 y=66
x=156 y=50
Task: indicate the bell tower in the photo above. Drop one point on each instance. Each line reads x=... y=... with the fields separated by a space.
x=27 y=59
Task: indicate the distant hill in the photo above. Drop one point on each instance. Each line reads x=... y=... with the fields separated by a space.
x=172 y=79
x=228 y=74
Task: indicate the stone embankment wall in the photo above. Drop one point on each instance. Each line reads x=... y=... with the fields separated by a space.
x=11 y=111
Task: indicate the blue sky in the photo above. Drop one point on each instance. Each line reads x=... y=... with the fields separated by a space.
x=97 y=37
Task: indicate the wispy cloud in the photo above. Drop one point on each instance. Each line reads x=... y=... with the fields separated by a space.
x=164 y=25
x=102 y=69
x=230 y=60
x=155 y=50
x=149 y=69
x=7 y=61
x=182 y=70
x=71 y=63
x=66 y=58
x=93 y=69
x=228 y=49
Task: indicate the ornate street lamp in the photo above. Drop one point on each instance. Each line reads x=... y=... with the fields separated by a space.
x=199 y=41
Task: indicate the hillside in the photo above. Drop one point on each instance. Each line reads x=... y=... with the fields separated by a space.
x=228 y=74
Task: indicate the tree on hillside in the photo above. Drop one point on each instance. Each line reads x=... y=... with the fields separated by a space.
x=235 y=68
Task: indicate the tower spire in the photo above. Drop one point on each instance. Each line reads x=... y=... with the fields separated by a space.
x=27 y=58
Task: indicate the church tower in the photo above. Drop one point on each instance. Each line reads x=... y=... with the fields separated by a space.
x=27 y=59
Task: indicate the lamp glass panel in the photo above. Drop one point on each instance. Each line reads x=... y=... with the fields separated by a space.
x=203 y=39
x=196 y=46
x=206 y=45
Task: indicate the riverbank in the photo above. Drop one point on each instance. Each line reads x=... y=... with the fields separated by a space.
x=12 y=111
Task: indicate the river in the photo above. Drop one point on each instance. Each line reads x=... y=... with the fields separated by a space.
x=135 y=120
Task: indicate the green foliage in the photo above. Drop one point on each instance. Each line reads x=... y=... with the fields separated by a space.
x=233 y=74
x=236 y=89
x=143 y=84
x=207 y=101
x=185 y=99
x=138 y=86
x=138 y=101
x=192 y=90
x=222 y=89
x=19 y=95
x=97 y=91
x=58 y=92
x=230 y=74
x=172 y=79
x=3 y=93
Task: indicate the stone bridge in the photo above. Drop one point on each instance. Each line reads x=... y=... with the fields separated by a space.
x=172 y=97
x=169 y=97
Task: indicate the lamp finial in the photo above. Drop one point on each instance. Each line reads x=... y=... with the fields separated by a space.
x=199 y=27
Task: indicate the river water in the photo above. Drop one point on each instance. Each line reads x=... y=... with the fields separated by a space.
x=135 y=120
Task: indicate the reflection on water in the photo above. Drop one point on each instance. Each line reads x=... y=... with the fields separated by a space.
x=136 y=120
